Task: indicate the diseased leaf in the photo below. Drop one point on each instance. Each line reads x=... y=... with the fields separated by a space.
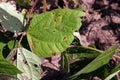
x=98 y=62
x=29 y=64
x=11 y=19
x=52 y=32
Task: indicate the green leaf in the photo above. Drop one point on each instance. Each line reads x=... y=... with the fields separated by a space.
x=11 y=19
x=52 y=32
x=65 y=62
x=7 y=68
x=1 y=47
x=114 y=72
x=29 y=64
x=83 y=52
x=98 y=62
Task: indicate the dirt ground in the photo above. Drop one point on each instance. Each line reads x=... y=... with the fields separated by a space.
x=101 y=25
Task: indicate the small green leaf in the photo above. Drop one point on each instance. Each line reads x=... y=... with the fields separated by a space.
x=12 y=44
x=29 y=64
x=98 y=62
x=52 y=32
x=11 y=19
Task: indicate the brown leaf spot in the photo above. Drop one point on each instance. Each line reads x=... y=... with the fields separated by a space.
x=30 y=27
x=53 y=12
x=25 y=62
x=53 y=54
x=64 y=38
x=55 y=20
x=54 y=30
x=35 y=65
x=72 y=29
x=59 y=15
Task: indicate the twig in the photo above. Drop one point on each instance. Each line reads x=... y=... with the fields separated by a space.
x=27 y=21
x=56 y=3
x=23 y=34
x=44 y=5
x=116 y=56
x=66 y=3
x=31 y=11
